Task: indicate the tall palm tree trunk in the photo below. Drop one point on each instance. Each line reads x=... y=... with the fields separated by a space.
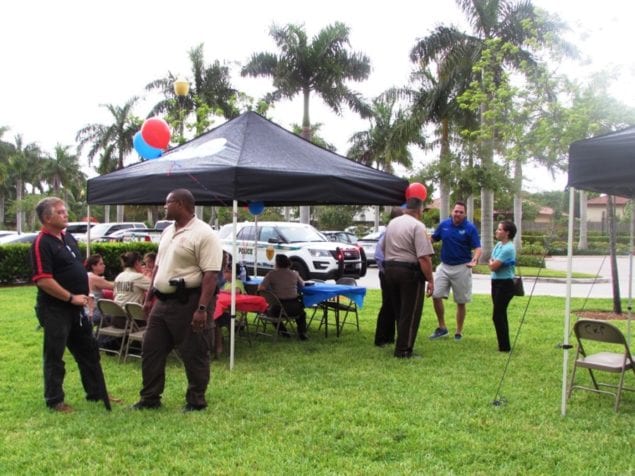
x=469 y=202
x=18 y=210
x=444 y=166
x=518 y=203
x=305 y=211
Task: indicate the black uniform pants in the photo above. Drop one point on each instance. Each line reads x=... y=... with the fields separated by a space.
x=385 y=329
x=170 y=327
x=502 y=294
x=66 y=326
x=405 y=288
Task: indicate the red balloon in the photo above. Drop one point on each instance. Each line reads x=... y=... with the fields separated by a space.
x=156 y=133
x=416 y=190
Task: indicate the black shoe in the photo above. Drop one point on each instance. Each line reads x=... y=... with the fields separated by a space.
x=141 y=405
x=303 y=337
x=286 y=334
x=190 y=407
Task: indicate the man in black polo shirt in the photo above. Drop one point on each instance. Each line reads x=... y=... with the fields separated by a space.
x=62 y=284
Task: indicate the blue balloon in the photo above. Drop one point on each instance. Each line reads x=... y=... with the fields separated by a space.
x=256 y=208
x=143 y=149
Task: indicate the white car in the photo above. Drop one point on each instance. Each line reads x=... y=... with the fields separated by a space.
x=102 y=230
x=311 y=254
x=369 y=243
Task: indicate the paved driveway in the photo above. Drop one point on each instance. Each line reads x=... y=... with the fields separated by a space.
x=595 y=265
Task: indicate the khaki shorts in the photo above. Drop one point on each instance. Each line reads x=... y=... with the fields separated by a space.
x=458 y=278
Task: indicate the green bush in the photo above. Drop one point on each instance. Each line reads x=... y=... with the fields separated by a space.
x=531 y=260
x=533 y=249
x=15 y=264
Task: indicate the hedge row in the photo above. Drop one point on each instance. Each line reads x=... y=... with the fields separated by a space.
x=15 y=266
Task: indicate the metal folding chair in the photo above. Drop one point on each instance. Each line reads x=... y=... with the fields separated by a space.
x=605 y=361
x=118 y=327
x=138 y=323
x=276 y=316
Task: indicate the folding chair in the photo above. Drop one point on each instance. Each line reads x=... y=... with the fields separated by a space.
x=317 y=307
x=614 y=362
x=277 y=320
x=338 y=305
x=346 y=305
x=113 y=312
x=137 y=328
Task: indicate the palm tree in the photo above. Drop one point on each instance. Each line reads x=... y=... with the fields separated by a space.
x=24 y=167
x=518 y=25
x=322 y=66
x=386 y=142
x=210 y=92
x=111 y=142
x=63 y=172
x=435 y=101
x=6 y=187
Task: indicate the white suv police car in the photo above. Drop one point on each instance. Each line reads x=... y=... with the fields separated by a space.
x=311 y=254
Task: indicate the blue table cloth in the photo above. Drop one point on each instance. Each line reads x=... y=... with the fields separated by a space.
x=320 y=292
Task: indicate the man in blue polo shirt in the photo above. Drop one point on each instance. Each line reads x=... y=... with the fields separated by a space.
x=460 y=252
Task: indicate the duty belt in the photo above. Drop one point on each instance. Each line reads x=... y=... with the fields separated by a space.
x=401 y=264
x=175 y=295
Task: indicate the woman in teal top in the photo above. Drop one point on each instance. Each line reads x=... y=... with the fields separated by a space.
x=502 y=266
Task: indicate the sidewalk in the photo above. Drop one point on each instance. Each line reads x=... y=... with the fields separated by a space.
x=594 y=265
x=592 y=288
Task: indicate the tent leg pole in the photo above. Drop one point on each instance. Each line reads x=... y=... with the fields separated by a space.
x=567 y=307
x=630 y=275
x=232 y=331
x=88 y=231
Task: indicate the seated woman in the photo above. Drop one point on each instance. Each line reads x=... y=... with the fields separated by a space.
x=131 y=284
x=148 y=263
x=284 y=283
x=97 y=284
x=225 y=319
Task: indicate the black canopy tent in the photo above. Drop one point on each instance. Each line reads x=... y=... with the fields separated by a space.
x=249 y=159
x=603 y=164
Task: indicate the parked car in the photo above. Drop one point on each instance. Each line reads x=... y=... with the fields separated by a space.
x=368 y=243
x=134 y=234
x=78 y=228
x=341 y=236
x=7 y=233
x=162 y=224
x=104 y=229
x=311 y=254
x=16 y=238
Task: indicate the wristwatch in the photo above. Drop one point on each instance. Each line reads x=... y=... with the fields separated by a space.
x=202 y=308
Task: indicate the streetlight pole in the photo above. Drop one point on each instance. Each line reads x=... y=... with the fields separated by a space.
x=181 y=90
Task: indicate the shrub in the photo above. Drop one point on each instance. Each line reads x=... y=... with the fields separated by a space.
x=15 y=265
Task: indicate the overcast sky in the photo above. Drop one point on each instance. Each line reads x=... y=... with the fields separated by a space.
x=62 y=59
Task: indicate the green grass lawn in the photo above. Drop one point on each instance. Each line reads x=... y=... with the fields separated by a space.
x=326 y=406
x=533 y=271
